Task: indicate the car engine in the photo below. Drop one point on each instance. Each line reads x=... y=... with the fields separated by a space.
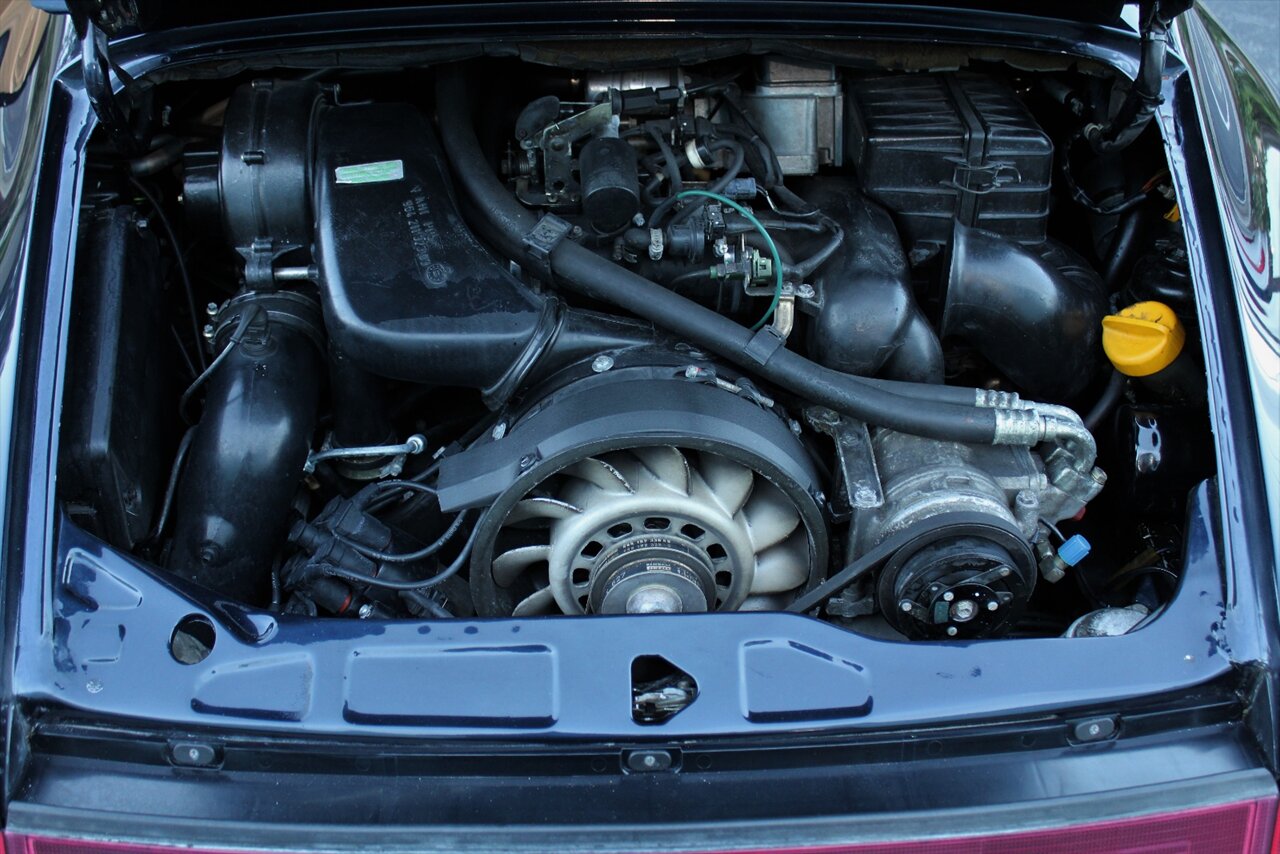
x=759 y=333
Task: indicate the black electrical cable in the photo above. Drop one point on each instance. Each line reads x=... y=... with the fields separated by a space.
x=388 y=584
x=408 y=557
x=934 y=411
x=426 y=603
x=1082 y=198
x=241 y=327
x=182 y=351
x=166 y=504
x=182 y=266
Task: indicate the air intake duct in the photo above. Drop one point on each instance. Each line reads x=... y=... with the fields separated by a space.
x=1034 y=312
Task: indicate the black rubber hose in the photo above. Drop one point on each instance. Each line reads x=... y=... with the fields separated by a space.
x=1111 y=396
x=939 y=412
x=1122 y=249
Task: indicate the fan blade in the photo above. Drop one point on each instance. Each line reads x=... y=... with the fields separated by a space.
x=770 y=516
x=782 y=568
x=540 y=602
x=667 y=464
x=508 y=566
x=599 y=473
x=541 y=508
x=730 y=483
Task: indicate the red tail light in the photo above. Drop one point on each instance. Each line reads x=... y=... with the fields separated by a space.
x=1245 y=827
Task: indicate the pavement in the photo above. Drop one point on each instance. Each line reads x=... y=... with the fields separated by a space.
x=1255 y=26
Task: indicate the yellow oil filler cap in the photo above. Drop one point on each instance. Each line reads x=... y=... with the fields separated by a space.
x=1143 y=339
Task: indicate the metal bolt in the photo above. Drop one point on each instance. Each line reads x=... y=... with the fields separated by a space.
x=527 y=460
x=948 y=596
x=964 y=610
x=638 y=220
x=576 y=232
x=952 y=631
x=650 y=761
x=1004 y=571
x=93 y=686
x=366 y=611
x=211 y=309
x=602 y=363
x=993 y=605
x=906 y=605
x=499 y=430
x=208 y=331
x=806 y=292
x=864 y=496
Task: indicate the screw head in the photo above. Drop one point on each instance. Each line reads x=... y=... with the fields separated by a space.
x=952 y=631
x=805 y=292
x=948 y=596
x=906 y=606
x=527 y=460
x=992 y=605
x=601 y=363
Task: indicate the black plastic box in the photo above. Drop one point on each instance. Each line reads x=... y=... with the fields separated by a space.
x=934 y=148
x=117 y=440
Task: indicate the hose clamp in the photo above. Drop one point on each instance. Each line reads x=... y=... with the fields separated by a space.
x=542 y=240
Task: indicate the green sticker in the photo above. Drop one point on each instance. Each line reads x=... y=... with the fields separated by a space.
x=370 y=173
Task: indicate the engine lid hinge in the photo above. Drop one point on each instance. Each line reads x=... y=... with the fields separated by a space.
x=94 y=21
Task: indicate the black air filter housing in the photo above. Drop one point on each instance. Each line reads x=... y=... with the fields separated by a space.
x=936 y=148
x=408 y=290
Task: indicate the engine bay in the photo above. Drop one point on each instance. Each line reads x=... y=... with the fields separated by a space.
x=913 y=351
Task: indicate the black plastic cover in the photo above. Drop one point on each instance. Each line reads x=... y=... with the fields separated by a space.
x=408 y=291
x=937 y=148
x=116 y=439
x=868 y=322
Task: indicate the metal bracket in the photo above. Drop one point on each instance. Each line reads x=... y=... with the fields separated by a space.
x=859 y=477
x=414 y=445
x=542 y=240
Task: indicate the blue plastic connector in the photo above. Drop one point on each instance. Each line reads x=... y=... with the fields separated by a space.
x=1074 y=550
